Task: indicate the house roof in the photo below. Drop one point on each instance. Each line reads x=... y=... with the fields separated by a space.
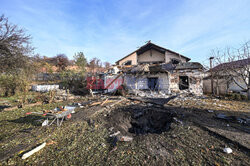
x=150 y=45
x=165 y=67
x=233 y=64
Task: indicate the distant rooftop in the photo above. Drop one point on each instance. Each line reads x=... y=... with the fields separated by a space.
x=233 y=64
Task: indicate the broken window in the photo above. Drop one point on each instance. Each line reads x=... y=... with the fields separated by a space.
x=175 y=61
x=183 y=82
x=128 y=62
x=152 y=83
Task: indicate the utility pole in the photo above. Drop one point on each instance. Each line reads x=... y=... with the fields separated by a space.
x=212 y=76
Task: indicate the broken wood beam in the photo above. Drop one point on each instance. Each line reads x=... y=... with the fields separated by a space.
x=95 y=103
x=103 y=109
x=28 y=154
x=118 y=102
x=157 y=101
x=104 y=102
x=108 y=101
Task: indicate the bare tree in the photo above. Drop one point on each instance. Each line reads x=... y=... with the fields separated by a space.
x=234 y=66
x=95 y=64
x=14 y=47
x=16 y=65
x=62 y=61
x=107 y=65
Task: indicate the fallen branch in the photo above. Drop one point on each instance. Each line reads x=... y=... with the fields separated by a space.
x=101 y=110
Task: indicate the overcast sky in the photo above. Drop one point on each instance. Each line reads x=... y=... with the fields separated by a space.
x=111 y=29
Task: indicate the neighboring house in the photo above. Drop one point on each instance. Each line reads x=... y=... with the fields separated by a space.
x=152 y=54
x=225 y=78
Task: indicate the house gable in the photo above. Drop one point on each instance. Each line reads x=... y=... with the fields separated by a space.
x=152 y=53
x=151 y=56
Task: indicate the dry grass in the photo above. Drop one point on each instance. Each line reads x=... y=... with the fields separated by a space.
x=79 y=142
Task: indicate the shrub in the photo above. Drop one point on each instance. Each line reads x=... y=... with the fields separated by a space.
x=74 y=81
x=10 y=84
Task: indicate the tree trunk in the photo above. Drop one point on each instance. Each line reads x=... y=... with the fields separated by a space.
x=6 y=93
x=13 y=91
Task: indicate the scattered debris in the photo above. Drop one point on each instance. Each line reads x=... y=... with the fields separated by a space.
x=233 y=119
x=58 y=114
x=227 y=150
x=45 y=123
x=121 y=139
x=115 y=134
x=222 y=116
x=26 y=155
x=158 y=101
x=96 y=103
x=111 y=128
x=178 y=121
x=51 y=143
x=104 y=102
x=64 y=95
x=159 y=128
x=124 y=138
x=103 y=145
x=121 y=100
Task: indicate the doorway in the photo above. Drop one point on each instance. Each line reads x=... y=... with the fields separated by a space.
x=183 y=82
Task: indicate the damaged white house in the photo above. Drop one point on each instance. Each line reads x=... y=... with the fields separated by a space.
x=154 y=68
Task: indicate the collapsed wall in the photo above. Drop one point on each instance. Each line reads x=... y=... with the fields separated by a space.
x=157 y=81
x=195 y=81
x=166 y=78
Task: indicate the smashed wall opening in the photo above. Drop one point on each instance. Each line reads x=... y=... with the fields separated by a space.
x=152 y=83
x=183 y=82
